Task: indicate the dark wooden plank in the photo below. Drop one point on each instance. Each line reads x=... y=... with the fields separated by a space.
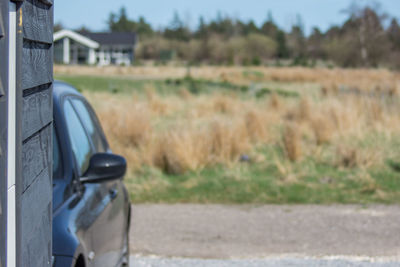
x=47 y=2
x=2 y=21
x=34 y=183
x=38 y=21
x=36 y=157
x=36 y=216
x=1 y=87
x=3 y=138
x=37 y=64
x=37 y=110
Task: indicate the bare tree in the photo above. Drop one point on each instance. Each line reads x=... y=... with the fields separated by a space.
x=366 y=23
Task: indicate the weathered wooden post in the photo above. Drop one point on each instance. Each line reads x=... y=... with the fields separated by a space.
x=26 y=77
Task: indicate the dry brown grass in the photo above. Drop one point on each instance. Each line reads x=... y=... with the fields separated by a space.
x=196 y=132
x=292 y=142
x=304 y=111
x=275 y=101
x=185 y=132
x=323 y=129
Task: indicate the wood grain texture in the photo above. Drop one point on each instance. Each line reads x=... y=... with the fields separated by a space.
x=35 y=182
x=38 y=21
x=36 y=222
x=36 y=157
x=37 y=64
x=37 y=112
x=3 y=138
x=47 y=2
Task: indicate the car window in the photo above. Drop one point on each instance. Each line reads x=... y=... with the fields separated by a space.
x=57 y=162
x=79 y=140
x=91 y=124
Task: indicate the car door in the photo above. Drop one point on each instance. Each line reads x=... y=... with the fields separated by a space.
x=84 y=217
x=109 y=229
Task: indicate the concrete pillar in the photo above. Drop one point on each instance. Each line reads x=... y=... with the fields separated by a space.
x=66 y=55
x=92 y=57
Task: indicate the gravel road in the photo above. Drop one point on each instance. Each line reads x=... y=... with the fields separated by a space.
x=301 y=235
x=278 y=262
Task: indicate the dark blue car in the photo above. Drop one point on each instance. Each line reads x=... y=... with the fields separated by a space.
x=91 y=209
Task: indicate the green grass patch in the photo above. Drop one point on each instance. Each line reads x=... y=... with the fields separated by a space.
x=123 y=85
x=116 y=85
x=284 y=93
x=307 y=182
x=255 y=184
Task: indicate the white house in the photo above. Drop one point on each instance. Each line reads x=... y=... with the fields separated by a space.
x=117 y=48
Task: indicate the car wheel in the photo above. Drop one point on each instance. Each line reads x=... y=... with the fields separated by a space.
x=125 y=252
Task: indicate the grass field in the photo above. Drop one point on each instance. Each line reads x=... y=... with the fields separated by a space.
x=250 y=135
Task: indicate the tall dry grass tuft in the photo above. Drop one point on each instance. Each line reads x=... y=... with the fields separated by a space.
x=275 y=101
x=228 y=141
x=130 y=126
x=305 y=109
x=150 y=91
x=323 y=129
x=179 y=151
x=134 y=127
x=375 y=110
x=223 y=104
x=257 y=128
x=292 y=142
x=347 y=157
x=185 y=94
x=329 y=88
x=157 y=106
x=129 y=131
x=325 y=91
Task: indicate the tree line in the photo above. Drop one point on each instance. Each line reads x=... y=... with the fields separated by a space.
x=368 y=38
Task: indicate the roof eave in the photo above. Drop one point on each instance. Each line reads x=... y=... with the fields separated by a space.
x=76 y=37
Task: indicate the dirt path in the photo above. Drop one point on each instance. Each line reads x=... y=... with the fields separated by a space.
x=226 y=232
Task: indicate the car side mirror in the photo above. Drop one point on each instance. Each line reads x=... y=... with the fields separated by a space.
x=104 y=167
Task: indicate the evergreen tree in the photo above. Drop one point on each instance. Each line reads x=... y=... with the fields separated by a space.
x=315 y=44
x=269 y=28
x=177 y=30
x=121 y=23
x=298 y=44
x=394 y=34
x=282 y=49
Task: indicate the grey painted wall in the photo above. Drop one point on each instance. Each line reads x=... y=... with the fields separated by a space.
x=34 y=126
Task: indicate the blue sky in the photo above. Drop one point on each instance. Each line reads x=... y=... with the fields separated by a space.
x=322 y=13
